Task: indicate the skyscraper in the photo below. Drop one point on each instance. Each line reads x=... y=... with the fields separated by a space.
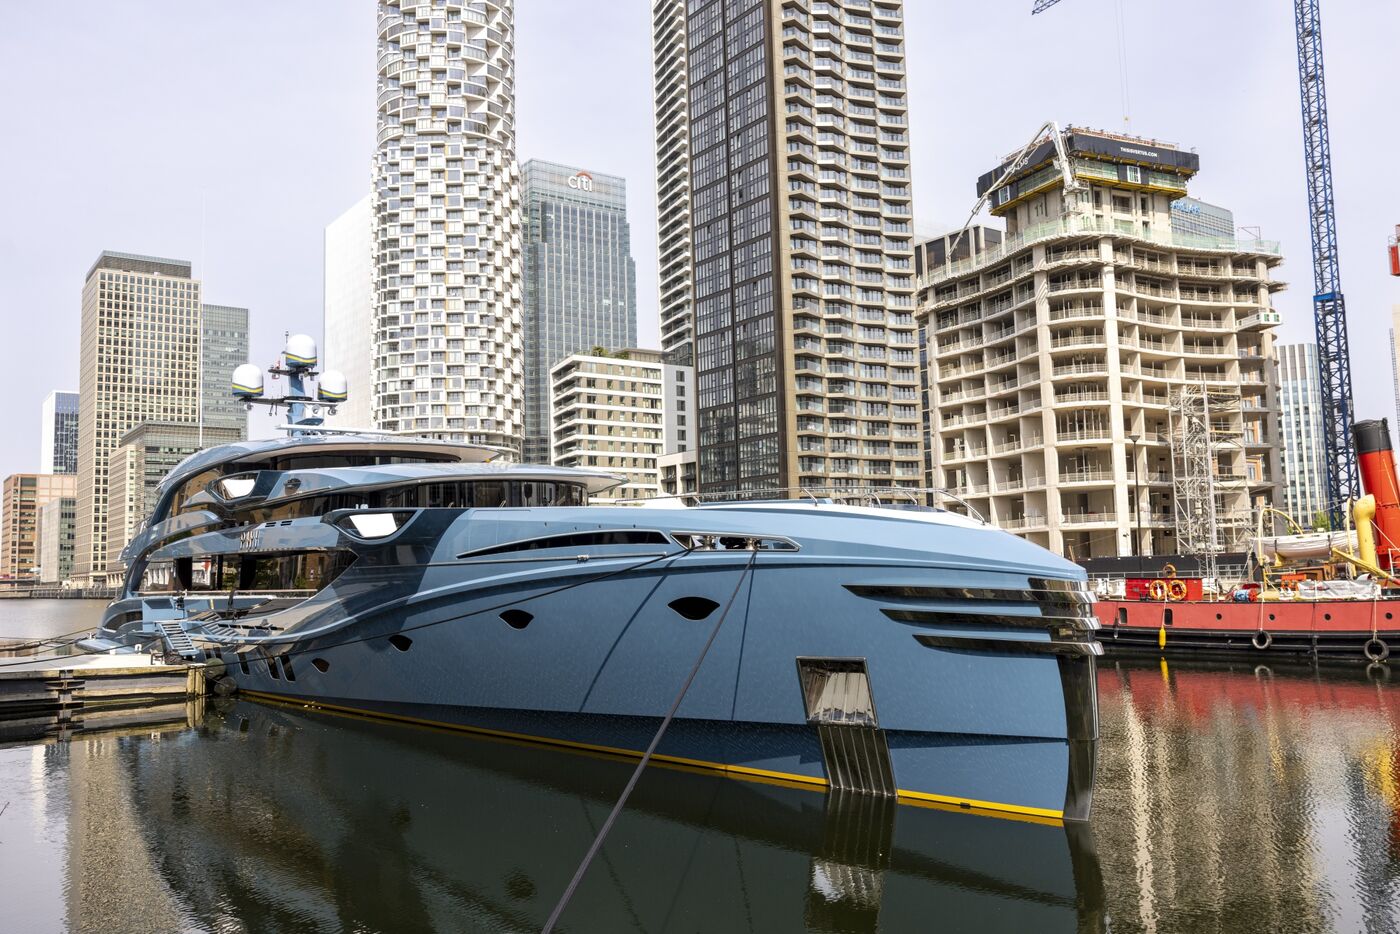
x=1300 y=430
x=58 y=443
x=55 y=534
x=150 y=351
x=580 y=281
x=23 y=497
x=223 y=348
x=447 y=340
x=795 y=174
x=1065 y=363
x=670 y=86
x=349 y=310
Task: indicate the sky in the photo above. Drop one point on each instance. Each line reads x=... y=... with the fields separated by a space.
x=231 y=134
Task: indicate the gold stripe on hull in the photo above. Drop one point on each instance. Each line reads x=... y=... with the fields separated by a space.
x=741 y=772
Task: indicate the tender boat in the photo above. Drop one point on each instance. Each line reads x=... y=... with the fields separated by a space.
x=856 y=641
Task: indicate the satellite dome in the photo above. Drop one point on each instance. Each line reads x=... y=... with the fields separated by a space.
x=248 y=381
x=332 y=387
x=300 y=352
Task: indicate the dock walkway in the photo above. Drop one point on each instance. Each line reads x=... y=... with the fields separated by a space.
x=71 y=682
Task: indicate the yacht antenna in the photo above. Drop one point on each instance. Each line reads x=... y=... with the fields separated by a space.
x=298 y=364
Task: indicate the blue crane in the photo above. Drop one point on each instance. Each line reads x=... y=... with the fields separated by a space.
x=1329 y=307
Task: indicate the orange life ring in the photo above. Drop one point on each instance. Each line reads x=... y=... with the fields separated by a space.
x=1157 y=590
x=1169 y=570
x=1176 y=589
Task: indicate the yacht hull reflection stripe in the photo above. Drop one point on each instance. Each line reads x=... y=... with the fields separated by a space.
x=952 y=618
x=1010 y=646
x=741 y=772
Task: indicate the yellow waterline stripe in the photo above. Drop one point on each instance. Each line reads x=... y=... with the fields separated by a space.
x=741 y=772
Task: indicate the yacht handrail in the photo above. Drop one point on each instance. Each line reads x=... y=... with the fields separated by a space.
x=872 y=496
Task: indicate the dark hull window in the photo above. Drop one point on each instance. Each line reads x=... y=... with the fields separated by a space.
x=577 y=540
x=462 y=494
x=303 y=572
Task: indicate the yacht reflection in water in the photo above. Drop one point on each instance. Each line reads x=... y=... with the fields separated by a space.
x=286 y=819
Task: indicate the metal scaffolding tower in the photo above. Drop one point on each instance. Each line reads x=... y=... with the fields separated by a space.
x=1329 y=308
x=1199 y=419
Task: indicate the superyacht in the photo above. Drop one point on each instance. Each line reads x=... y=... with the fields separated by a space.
x=846 y=640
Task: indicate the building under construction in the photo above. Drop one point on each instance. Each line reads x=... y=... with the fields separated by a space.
x=1095 y=366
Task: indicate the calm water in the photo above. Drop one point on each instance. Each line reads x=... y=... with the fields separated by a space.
x=28 y=619
x=1228 y=799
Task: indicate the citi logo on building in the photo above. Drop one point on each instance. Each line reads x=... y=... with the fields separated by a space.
x=581 y=181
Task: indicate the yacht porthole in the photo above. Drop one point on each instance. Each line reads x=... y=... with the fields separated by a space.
x=320 y=664
x=517 y=619
x=693 y=607
x=400 y=642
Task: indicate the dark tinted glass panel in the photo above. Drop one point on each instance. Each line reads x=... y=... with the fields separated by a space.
x=578 y=540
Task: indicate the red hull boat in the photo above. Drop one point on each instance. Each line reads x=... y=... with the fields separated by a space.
x=1290 y=612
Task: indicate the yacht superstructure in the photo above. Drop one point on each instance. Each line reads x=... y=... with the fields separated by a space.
x=860 y=643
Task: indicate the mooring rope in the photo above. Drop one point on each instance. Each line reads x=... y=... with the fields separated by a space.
x=646 y=756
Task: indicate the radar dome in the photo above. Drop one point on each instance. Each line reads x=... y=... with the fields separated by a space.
x=300 y=352
x=247 y=381
x=332 y=387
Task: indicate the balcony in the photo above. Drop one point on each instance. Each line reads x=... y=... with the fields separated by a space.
x=1088 y=518
x=1097 y=475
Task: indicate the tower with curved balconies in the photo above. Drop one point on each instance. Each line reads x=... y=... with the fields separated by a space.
x=446 y=213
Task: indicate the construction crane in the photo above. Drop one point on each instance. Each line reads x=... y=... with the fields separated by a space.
x=1072 y=185
x=1329 y=307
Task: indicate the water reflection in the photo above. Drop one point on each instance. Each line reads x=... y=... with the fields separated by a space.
x=270 y=819
x=1249 y=797
x=1228 y=799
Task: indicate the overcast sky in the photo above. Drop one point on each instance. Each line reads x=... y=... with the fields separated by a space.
x=231 y=134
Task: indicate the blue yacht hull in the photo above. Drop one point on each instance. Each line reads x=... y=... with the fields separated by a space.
x=979 y=699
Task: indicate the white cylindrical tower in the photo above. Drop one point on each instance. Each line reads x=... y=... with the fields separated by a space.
x=448 y=330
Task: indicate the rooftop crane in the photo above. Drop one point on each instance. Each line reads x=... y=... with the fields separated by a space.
x=1329 y=307
x=1072 y=185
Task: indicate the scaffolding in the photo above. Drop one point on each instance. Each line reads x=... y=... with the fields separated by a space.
x=1204 y=421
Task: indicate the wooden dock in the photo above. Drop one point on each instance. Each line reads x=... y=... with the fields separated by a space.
x=79 y=682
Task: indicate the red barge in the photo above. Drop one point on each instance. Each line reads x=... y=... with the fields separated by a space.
x=1293 y=608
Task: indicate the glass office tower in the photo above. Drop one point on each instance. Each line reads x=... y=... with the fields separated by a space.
x=580 y=281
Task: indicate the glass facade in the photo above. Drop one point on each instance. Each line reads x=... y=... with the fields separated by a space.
x=580 y=281
x=800 y=254
x=349 y=311
x=223 y=348
x=732 y=226
x=1198 y=218
x=1300 y=425
x=58 y=448
x=56 y=539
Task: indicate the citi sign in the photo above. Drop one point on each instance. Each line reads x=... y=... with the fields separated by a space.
x=581 y=181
